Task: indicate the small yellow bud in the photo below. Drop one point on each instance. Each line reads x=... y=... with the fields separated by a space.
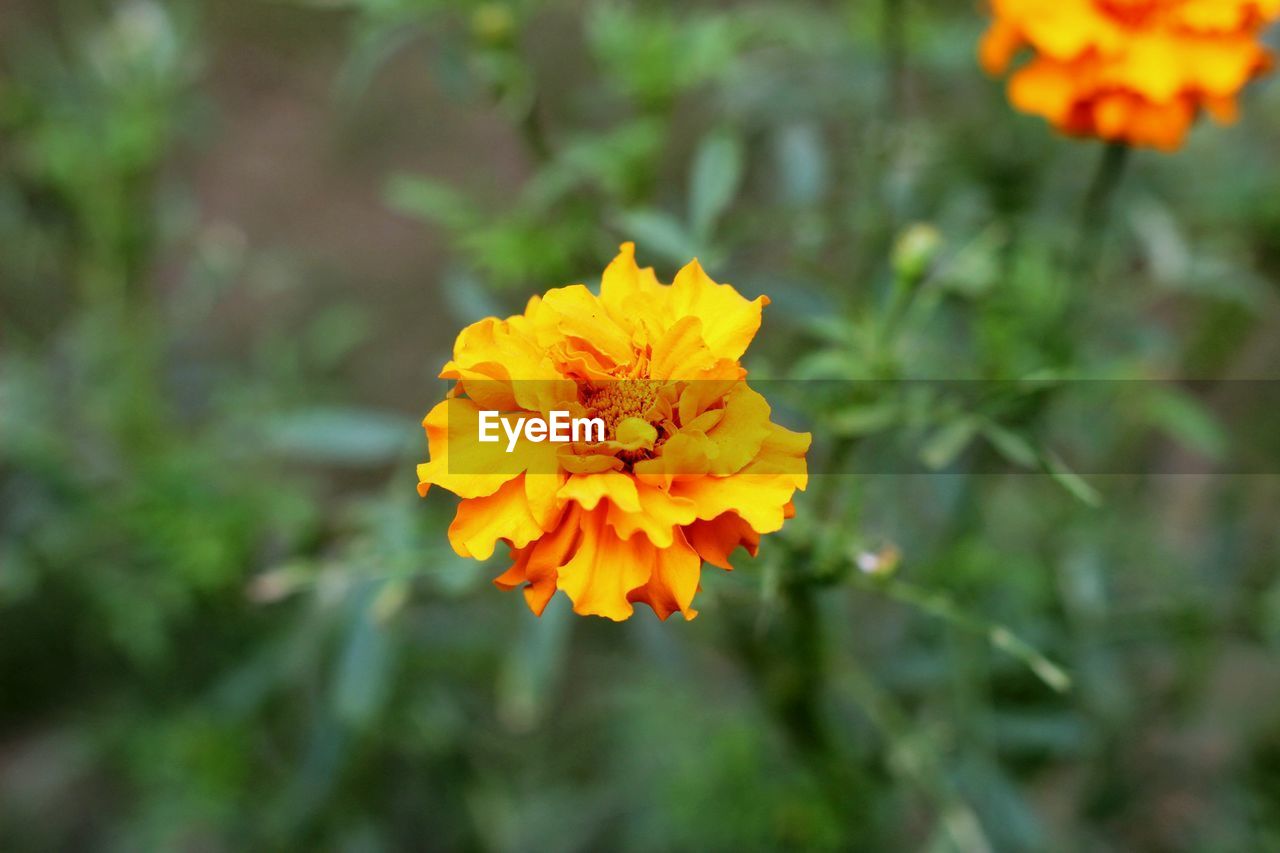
x=915 y=251
x=493 y=23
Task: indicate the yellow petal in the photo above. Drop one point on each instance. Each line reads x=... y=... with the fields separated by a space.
x=468 y=467
x=1046 y=88
x=757 y=498
x=636 y=434
x=716 y=539
x=447 y=436
x=782 y=453
x=587 y=490
x=999 y=44
x=481 y=522
x=657 y=515
x=740 y=432
x=697 y=397
x=537 y=564
x=729 y=321
x=686 y=454
x=574 y=462
x=633 y=297
x=574 y=312
x=605 y=569
x=681 y=351
x=672 y=582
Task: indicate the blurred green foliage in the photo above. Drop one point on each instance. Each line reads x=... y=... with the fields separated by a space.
x=228 y=622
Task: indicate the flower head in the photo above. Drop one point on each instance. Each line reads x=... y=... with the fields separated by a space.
x=690 y=466
x=1134 y=71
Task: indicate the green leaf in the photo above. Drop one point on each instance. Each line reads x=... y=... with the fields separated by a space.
x=362 y=679
x=467 y=298
x=717 y=172
x=1071 y=481
x=802 y=164
x=1046 y=670
x=865 y=420
x=1187 y=421
x=534 y=666
x=618 y=160
x=1011 y=446
x=1002 y=638
x=341 y=436
x=824 y=364
x=948 y=442
x=372 y=49
x=430 y=201
x=657 y=232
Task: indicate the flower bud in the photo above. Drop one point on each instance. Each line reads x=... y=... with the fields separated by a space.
x=493 y=24
x=915 y=251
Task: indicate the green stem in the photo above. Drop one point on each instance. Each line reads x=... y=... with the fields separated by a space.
x=1097 y=202
x=827 y=483
x=900 y=299
x=534 y=132
x=1105 y=180
x=788 y=665
x=894 y=35
x=798 y=694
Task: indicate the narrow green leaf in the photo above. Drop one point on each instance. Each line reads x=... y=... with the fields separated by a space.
x=865 y=420
x=430 y=201
x=802 y=164
x=363 y=670
x=948 y=442
x=340 y=436
x=939 y=605
x=717 y=171
x=1187 y=421
x=1011 y=446
x=1071 y=481
x=660 y=233
x=1046 y=670
x=534 y=667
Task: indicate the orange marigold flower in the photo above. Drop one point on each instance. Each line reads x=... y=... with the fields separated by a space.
x=1134 y=71
x=690 y=468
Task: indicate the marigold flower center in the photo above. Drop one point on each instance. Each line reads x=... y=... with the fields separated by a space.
x=614 y=402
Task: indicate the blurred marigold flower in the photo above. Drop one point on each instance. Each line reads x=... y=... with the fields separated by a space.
x=691 y=466
x=1133 y=71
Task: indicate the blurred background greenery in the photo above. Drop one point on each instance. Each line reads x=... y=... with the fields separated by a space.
x=236 y=240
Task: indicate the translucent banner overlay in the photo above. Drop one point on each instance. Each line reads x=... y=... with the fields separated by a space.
x=679 y=428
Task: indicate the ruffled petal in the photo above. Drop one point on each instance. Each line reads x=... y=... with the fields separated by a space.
x=468 y=467
x=729 y=321
x=633 y=296
x=536 y=567
x=715 y=539
x=587 y=490
x=481 y=522
x=575 y=315
x=738 y=435
x=605 y=569
x=673 y=581
x=657 y=516
x=681 y=352
x=998 y=46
